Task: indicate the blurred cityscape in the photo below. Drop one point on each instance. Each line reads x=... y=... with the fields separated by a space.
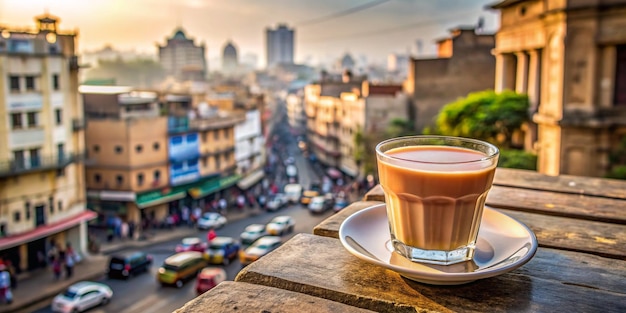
x=109 y=151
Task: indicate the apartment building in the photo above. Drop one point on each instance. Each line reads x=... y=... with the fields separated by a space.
x=182 y=59
x=570 y=58
x=42 y=190
x=151 y=154
x=464 y=64
x=337 y=110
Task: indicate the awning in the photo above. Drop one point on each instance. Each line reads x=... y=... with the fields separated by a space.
x=46 y=230
x=333 y=173
x=251 y=179
x=349 y=171
x=112 y=195
x=155 y=197
x=213 y=185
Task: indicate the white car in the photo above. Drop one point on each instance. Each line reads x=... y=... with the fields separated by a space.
x=251 y=233
x=211 y=220
x=276 y=202
x=319 y=204
x=82 y=296
x=259 y=248
x=280 y=225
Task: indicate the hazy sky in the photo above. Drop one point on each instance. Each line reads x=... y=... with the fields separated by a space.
x=384 y=28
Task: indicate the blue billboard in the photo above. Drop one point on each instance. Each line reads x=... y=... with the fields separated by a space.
x=184 y=147
x=184 y=172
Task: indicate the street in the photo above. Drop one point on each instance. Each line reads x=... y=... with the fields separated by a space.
x=144 y=294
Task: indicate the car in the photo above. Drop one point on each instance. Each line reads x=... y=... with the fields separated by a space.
x=291 y=170
x=128 y=264
x=293 y=192
x=276 y=202
x=82 y=296
x=180 y=267
x=308 y=195
x=259 y=248
x=210 y=220
x=280 y=225
x=191 y=244
x=289 y=160
x=251 y=233
x=320 y=204
x=221 y=250
x=340 y=204
x=208 y=278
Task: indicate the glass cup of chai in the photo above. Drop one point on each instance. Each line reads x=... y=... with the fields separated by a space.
x=435 y=190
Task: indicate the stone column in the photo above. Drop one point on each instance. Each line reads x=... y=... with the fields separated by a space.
x=505 y=72
x=534 y=78
x=521 y=77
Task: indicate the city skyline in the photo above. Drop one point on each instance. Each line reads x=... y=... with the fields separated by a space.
x=324 y=30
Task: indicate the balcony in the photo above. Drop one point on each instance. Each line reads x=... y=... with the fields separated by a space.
x=41 y=163
x=78 y=124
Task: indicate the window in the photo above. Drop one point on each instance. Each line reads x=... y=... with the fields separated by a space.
x=61 y=172
x=61 y=152
x=17 y=216
x=157 y=175
x=217 y=162
x=177 y=140
x=14 y=83
x=30 y=83
x=31 y=118
x=139 y=179
x=27 y=210
x=34 y=157
x=620 y=76
x=51 y=204
x=55 y=81
x=226 y=133
x=203 y=137
x=16 y=120
x=97 y=178
x=60 y=205
x=118 y=149
x=216 y=134
x=96 y=148
x=58 y=116
x=155 y=146
x=119 y=179
x=18 y=157
x=139 y=148
x=204 y=162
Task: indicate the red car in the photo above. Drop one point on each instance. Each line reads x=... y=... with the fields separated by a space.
x=208 y=278
x=191 y=244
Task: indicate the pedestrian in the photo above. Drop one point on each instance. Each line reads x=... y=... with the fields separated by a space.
x=52 y=252
x=223 y=204
x=5 y=284
x=210 y=235
x=131 y=230
x=69 y=261
x=124 y=230
x=185 y=215
x=56 y=268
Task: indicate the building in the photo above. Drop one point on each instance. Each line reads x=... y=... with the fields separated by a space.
x=42 y=190
x=182 y=59
x=296 y=115
x=250 y=149
x=464 y=64
x=152 y=154
x=337 y=111
x=280 y=45
x=570 y=58
x=230 y=61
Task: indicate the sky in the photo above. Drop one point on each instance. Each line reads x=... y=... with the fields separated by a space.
x=325 y=29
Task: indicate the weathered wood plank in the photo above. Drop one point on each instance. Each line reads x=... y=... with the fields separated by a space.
x=597 y=238
x=243 y=297
x=558 y=204
x=553 y=281
x=330 y=226
x=602 y=187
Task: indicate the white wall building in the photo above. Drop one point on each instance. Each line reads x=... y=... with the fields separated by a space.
x=250 y=149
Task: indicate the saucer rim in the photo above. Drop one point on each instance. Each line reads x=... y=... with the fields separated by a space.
x=441 y=278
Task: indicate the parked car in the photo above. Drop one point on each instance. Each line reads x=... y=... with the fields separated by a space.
x=208 y=278
x=280 y=225
x=340 y=204
x=82 y=296
x=308 y=195
x=191 y=244
x=180 y=267
x=259 y=248
x=128 y=264
x=211 y=220
x=293 y=192
x=251 y=233
x=221 y=250
x=276 y=202
x=320 y=204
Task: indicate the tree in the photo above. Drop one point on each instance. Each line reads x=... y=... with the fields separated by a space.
x=485 y=115
x=400 y=127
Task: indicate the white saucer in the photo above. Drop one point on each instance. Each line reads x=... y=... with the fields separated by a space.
x=503 y=245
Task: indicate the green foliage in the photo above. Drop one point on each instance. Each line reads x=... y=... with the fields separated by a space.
x=617 y=172
x=517 y=159
x=617 y=159
x=484 y=115
x=399 y=127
